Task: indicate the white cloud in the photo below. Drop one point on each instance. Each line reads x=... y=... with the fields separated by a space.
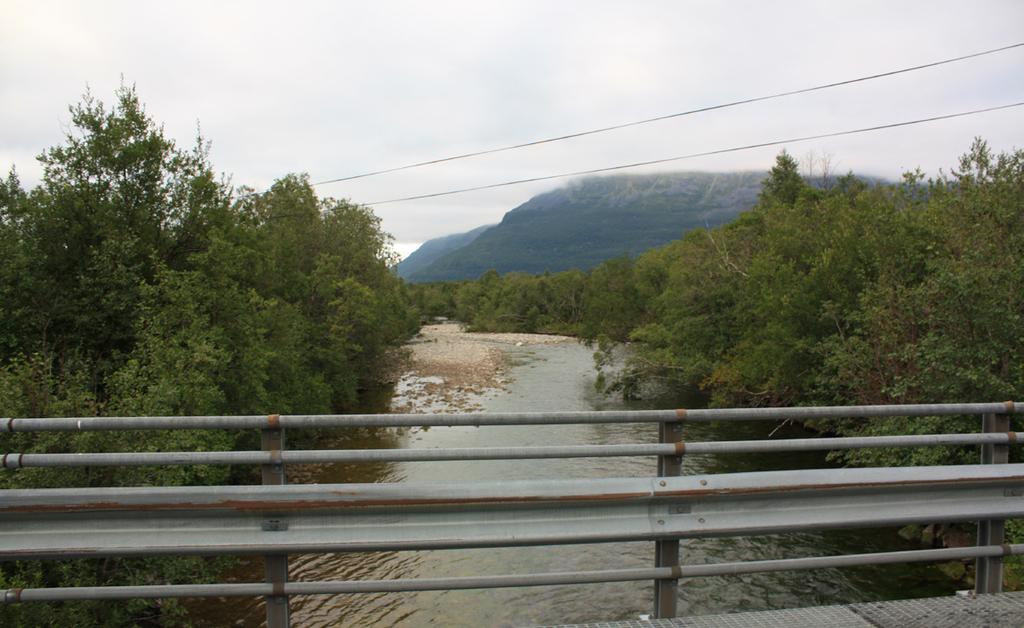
x=404 y=249
x=340 y=88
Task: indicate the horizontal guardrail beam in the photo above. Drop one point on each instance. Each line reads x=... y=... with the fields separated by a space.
x=322 y=456
x=64 y=523
x=254 y=589
x=81 y=424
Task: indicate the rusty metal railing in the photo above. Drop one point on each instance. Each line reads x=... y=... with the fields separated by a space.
x=277 y=519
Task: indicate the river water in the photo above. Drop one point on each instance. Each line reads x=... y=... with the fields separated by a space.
x=552 y=378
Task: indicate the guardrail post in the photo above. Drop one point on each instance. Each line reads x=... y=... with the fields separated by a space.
x=666 y=553
x=273 y=474
x=988 y=573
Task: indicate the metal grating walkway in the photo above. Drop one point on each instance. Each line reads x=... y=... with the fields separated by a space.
x=1004 y=610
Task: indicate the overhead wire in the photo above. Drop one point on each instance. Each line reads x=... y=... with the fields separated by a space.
x=624 y=125
x=637 y=164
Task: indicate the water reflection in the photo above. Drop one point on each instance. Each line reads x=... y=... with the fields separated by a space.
x=559 y=377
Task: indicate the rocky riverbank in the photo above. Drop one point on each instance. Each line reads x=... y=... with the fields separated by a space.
x=448 y=369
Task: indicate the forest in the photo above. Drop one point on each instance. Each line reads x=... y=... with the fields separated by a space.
x=135 y=281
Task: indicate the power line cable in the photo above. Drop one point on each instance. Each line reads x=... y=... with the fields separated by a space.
x=624 y=125
x=720 y=151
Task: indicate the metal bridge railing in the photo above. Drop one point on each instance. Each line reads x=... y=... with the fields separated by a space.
x=277 y=519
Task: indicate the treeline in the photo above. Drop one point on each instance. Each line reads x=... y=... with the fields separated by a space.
x=839 y=294
x=134 y=281
x=605 y=301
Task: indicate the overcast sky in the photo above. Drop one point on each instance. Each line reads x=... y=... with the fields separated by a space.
x=339 y=88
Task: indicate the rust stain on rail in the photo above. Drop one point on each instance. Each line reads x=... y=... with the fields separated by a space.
x=16 y=464
x=315 y=504
x=340 y=500
x=756 y=490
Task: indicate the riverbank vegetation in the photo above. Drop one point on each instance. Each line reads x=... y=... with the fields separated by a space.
x=135 y=281
x=847 y=293
x=820 y=294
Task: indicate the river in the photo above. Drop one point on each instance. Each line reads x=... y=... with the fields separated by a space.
x=549 y=377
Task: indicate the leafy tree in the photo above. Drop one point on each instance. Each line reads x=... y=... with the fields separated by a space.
x=117 y=200
x=613 y=302
x=948 y=325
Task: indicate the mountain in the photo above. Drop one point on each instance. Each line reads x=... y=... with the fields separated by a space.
x=432 y=250
x=595 y=219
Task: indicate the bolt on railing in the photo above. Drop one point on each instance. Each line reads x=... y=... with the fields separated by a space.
x=988 y=573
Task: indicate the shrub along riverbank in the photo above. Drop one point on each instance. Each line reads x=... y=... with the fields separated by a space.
x=134 y=281
x=834 y=293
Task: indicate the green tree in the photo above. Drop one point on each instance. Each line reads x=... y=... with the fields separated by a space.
x=118 y=199
x=784 y=183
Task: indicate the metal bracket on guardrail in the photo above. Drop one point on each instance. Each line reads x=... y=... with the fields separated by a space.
x=988 y=573
x=666 y=553
x=273 y=474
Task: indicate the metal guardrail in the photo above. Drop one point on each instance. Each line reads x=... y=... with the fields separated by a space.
x=222 y=520
x=276 y=421
x=277 y=519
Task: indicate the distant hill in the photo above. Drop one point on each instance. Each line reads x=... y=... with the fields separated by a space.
x=431 y=250
x=593 y=220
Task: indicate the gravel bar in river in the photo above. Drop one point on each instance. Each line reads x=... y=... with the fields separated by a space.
x=450 y=370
